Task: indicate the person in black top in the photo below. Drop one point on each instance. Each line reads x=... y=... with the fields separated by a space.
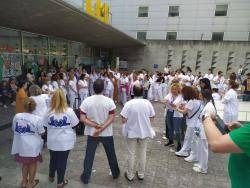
x=246 y=88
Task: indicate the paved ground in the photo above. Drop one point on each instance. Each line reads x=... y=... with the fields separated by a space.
x=163 y=168
x=6 y=115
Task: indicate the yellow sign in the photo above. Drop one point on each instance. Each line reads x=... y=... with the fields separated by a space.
x=100 y=11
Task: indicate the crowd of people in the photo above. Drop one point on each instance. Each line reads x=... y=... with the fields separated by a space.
x=46 y=104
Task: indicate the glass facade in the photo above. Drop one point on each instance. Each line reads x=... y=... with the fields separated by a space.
x=20 y=51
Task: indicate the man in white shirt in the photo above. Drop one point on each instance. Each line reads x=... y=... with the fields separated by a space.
x=137 y=115
x=98 y=114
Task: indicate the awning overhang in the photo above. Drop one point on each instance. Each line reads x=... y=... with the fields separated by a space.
x=59 y=19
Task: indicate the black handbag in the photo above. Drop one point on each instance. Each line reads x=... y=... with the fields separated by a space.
x=80 y=127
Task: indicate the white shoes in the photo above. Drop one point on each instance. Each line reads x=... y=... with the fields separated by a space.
x=181 y=154
x=164 y=138
x=198 y=169
x=191 y=159
x=5 y=106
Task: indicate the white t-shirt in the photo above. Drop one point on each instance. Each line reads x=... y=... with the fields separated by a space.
x=208 y=109
x=176 y=101
x=54 y=85
x=231 y=107
x=72 y=87
x=84 y=85
x=47 y=88
x=193 y=106
x=97 y=109
x=42 y=104
x=216 y=96
x=209 y=76
x=138 y=113
x=61 y=136
x=27 y=141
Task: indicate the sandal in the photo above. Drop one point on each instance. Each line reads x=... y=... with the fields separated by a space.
x=65 y=182
x=36 y=182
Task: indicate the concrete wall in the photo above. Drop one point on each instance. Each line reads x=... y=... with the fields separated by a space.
x=159 y=52
x=196 y=18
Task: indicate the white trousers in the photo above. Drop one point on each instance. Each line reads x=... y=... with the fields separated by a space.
x=83 y=96
x=140 y=146
x=202 y=153
x=72 y=98
x=189 y=136
x=123 y=97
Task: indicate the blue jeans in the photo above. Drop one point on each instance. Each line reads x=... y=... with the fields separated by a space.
x=166 y=126
x=58 y=163
x=178 y=122
x=145 y=94
x=246 y=97
x=108 y=144
x=170 y=125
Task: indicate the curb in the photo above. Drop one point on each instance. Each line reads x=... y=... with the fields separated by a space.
x=5 y=126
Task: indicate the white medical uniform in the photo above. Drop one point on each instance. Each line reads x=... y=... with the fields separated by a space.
x=231 y=107
x=27 y=141
x=72 y=94
x=61 y=136
x=84 y=91
x=201 y=140
x=192 y=120
x=137 y=130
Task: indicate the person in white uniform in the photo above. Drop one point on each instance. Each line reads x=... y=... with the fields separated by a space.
x=124 y=88
x=98 y=113
x=27 y=142
x=209 y=75
x=231 y=104
x=137 y=116
x=59 y=120
x=72 y=91
x=83 y=88
x=200 y=138
x=192 y=109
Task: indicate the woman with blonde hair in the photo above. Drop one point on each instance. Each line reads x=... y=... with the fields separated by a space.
x=61 y=138
x=174 y=119
x=27 y=142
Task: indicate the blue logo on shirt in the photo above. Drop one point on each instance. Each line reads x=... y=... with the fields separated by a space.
x=58 y=122
x=22 y=130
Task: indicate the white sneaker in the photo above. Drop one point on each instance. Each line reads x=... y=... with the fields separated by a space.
x=190 y=159
x=5 y=106
x=199 y=170
x=164 y=138
x=196 y=165
x=181 y=154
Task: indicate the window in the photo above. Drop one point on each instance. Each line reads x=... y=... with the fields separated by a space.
x=143 y=12
x=142 y=35
x=221 y=10
x=217 y=36
x=173 y=11
x=171 y=36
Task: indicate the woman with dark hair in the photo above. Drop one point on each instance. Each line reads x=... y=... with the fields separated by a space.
x=231 y=107
x=20 y=96
x=201 y=139
x=205 y=84
x=192 y=110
